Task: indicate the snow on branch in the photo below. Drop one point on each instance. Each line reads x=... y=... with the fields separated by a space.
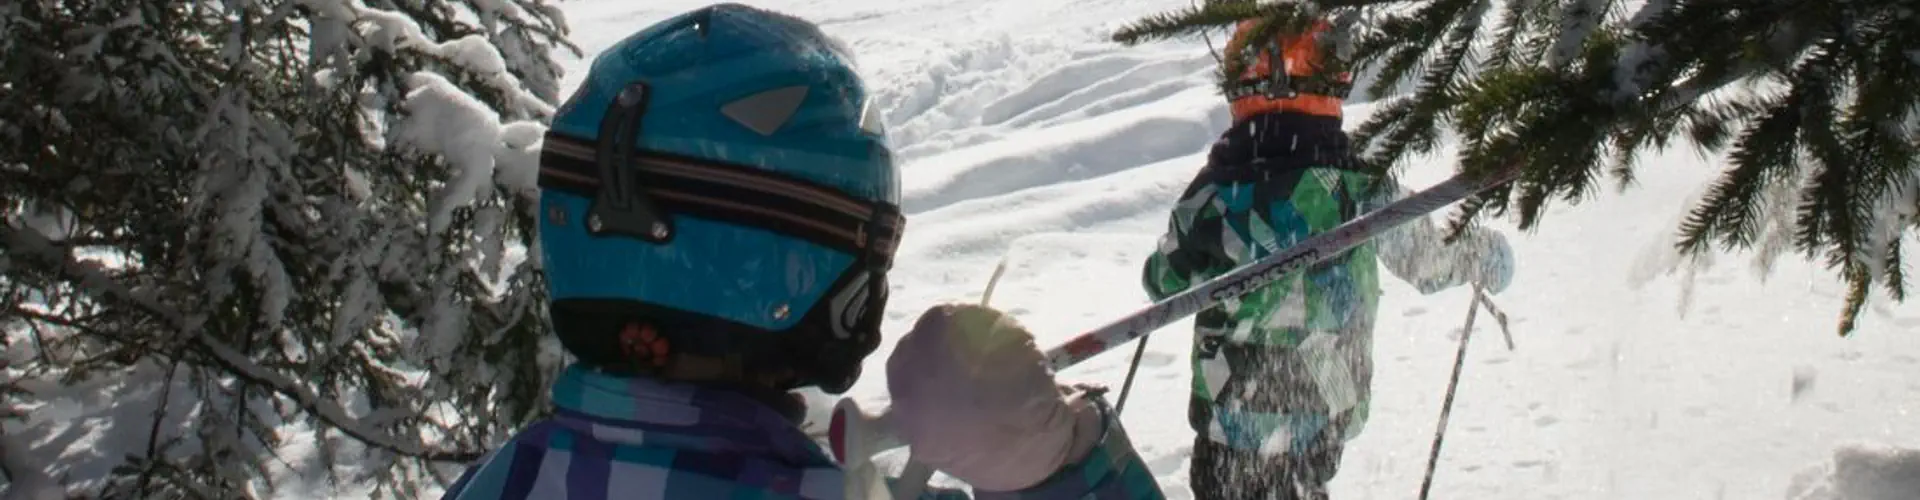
x=483 y=152
x=26 y=243
x=1577 y=23
x=1902 y=210
x=393 y=31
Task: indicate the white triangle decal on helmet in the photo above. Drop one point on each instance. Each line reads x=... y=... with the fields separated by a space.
x=765 y=112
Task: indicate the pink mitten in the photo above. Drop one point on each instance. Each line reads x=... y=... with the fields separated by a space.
x=973 y=396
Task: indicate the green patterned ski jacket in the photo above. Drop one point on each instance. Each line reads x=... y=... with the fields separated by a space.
x=1288 y=367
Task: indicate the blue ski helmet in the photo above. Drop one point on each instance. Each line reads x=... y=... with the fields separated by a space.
x=719 y=201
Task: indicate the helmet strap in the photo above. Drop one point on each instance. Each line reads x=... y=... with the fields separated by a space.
x=621 y=207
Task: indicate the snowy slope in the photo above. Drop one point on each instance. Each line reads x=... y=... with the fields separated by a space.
x=1028 y=136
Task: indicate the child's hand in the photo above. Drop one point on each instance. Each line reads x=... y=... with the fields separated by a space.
x=1495 y=263
x=973 y=396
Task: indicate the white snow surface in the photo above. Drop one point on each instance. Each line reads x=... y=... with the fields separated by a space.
x=1026 y=134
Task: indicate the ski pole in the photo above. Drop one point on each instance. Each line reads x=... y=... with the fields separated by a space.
x=1498 y=315
x=1446 y=408
x=1132 y=368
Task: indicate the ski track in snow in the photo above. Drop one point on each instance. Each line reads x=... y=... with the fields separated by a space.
x=1027 y=135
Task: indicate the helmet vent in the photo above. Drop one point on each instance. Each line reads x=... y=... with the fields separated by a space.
x=765 y=112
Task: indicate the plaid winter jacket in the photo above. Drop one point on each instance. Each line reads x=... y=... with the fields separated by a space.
x=1289 y=366
x=614 y=438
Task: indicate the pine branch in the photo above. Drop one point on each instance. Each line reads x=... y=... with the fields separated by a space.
x=1514 y=26
x=1566 y=87
x=1185 y=22
x=1400 y=42
x=24 y=244
x=1764 y=154
x=1418 y=131
x=1217 y=14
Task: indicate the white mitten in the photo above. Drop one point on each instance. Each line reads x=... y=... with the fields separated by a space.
x=973 y=396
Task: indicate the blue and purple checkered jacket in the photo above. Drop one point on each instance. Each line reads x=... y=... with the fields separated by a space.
x=614 y=438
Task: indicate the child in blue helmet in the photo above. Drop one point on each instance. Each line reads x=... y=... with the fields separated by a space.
x=718 y=216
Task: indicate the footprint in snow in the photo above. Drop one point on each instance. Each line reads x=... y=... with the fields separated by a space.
x=1171 y=462
x=1545 y=421
x=1414 y=311
x=1803 y=377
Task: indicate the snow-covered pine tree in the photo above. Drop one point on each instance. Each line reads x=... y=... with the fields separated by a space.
x=247 y=241
x=1811 y=102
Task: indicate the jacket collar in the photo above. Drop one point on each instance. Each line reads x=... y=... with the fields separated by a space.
x=648 y=412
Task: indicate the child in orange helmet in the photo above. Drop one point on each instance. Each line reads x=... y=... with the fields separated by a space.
x=1282 y=376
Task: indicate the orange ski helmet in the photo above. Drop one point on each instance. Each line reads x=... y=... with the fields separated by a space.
x=1300 y=88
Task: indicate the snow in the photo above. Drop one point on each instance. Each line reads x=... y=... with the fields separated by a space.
x=446 y=121
x=1887 y=226
x=1629 y=78
x=26 y=481
x=1028 y=137
x=392 y=31
x=80 y=430
x=1638 y=375
x=1862 y=472
x=31 y=483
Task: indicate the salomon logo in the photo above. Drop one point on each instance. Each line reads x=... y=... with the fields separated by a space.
x=1265 y=276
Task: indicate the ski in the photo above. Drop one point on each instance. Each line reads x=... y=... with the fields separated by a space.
x=1252 y=276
